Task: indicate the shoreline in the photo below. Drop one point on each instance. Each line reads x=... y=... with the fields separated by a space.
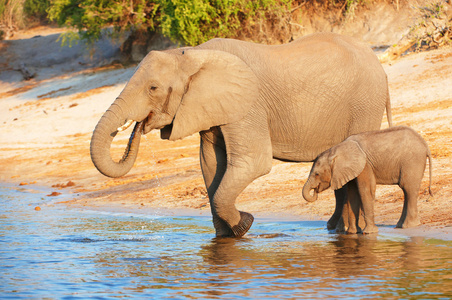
x=46 y=127
x=67 y=201
x=421 y=231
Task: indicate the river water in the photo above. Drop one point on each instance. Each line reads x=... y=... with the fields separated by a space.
x=61 y=253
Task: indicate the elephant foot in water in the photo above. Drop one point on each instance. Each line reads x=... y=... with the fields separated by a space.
x=246 y=220
x=333 y=222
x=239 y=230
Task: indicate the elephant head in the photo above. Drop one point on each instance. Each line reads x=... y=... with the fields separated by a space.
x=334 y=168
x=179 y=92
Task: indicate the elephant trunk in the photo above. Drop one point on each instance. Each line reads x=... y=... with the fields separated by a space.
x=103 y=136
x=307 y=191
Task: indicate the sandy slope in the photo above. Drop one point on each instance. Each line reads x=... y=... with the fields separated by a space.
x=46 y=126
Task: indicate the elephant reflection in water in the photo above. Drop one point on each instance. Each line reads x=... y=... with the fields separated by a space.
x=250 y=103
x=294 y=265
x=311 y=266
x=363 y=255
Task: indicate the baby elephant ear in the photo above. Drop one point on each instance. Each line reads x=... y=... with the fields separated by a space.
x=222 y=89
x=347 y=161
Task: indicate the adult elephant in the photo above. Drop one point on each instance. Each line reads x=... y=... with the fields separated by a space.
x=250 y=103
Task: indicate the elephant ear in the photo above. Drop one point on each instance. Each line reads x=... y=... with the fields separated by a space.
x=347 y=161
x=221 y=89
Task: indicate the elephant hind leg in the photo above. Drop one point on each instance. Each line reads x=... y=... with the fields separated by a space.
x=410 y=183
x=409 y=217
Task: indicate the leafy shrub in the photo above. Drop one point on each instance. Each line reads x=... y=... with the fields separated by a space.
x=197 y=21
x=188 y=21
x=89 y=17
x=36 y=9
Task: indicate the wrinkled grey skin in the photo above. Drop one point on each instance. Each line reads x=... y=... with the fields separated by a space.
x=396 y=155
x=250 y=103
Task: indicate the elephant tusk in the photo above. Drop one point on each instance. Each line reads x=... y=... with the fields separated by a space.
x=125 y=126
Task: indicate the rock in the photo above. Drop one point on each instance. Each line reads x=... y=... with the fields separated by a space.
x=53 y=194
x=26 y=72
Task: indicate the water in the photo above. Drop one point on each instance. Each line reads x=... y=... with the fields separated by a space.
x=61 y=253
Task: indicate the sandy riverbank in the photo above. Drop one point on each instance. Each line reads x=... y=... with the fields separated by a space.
x=46 y=126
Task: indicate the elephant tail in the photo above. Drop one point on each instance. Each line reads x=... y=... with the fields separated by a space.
x=388 y=110
x=429 y=155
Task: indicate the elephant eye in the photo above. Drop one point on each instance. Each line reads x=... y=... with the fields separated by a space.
x=153 y=88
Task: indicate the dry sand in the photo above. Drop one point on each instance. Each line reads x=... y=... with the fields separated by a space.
x=46 y=125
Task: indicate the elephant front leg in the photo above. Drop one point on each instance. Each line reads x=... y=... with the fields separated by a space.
x=223 y=190
x=227 y=172
x=366 y=186
x=340 y=196
x=343 y=223
x=213 y=166
x=236 y=178
x=353 y=203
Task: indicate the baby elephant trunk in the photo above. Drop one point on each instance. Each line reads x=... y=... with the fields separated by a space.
x=307 y=191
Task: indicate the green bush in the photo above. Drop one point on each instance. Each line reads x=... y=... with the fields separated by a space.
x=36 y=9
x=89 y=17
x=197 y=21
x=188 y=21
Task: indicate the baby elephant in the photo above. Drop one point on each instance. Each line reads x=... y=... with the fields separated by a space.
x=396 y=155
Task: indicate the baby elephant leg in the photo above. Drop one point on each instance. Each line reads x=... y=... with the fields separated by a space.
x=409 y=217
x=335 y=221
x=354 y=205
x=341 y=225
x=366 y=186
x=410 y=183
